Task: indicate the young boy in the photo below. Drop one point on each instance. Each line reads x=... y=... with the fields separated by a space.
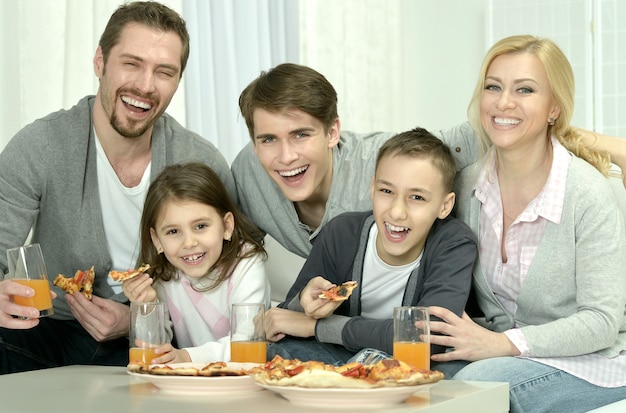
x=407 y=251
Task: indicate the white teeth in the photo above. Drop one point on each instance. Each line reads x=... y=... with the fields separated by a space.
x=393 y=228
x=293 y=172
x=506 y=121
x=193 y=258
x=137 y=103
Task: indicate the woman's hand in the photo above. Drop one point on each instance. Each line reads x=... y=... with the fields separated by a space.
x=310 y=300
x=469 y=341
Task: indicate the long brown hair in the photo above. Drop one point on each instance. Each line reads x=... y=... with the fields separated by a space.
x=195 y=181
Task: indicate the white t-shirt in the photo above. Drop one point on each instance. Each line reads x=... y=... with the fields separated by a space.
x=383 y=284
x=121 y=214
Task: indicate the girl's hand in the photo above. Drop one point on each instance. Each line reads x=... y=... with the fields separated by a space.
x=310 y=300
x=168 y=354
x=139 y=289
x=469 y=341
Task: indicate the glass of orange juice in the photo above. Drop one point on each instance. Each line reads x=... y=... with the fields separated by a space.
x=247 y=333
x=147 y=331
x=26 y=266
x=411 y=336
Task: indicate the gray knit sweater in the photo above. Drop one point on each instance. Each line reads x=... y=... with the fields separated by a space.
x=48 y=182
x=574 y=297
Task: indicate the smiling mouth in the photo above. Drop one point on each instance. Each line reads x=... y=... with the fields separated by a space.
x=506 y=121
x=136 y=104
x=192 y=259
x=294 y=174
x=395 y=231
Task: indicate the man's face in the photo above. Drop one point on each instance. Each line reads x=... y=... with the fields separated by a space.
x=296 y=152
x=140 y=78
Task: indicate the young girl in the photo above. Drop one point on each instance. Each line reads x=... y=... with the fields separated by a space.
x=205 y=255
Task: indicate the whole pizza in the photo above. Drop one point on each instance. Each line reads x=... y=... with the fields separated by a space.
x=315 y=374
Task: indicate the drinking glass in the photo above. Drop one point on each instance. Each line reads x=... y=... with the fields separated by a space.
x=247 y=333
x=27 y=267
x=411 y=336
x=147 y=331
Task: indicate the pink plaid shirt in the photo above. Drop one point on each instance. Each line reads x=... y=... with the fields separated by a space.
x=523 y=237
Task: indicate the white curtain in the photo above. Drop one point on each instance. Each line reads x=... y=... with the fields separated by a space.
x=47 y=49
x=232 y=41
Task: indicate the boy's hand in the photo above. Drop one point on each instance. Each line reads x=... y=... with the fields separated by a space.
x=310 y=300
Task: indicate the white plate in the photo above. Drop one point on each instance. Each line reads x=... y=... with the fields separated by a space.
x=199 y=385
x=333 y=398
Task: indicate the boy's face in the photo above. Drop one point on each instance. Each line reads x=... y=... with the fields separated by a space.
x=407 y=197
x=296 y=152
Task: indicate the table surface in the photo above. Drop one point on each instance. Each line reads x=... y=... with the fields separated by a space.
x=97 y=389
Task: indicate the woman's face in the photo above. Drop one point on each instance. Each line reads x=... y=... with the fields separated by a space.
x=517 y=101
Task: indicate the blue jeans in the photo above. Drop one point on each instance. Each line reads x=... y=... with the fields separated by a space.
x=308 y=349
x=533 y=387
x=536 y=387
x=55 y=343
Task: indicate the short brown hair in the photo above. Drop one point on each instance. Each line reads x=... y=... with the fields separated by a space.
x=290 y=86
x=419 y=143
x=149 y=13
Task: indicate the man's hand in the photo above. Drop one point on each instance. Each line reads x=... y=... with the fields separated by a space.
x=280 y=322
x=8 y=308
x=310 y=300
x=102 y=318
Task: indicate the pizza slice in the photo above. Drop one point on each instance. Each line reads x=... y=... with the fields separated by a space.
x=127 y=275
x=82 y=281
x=340 y=292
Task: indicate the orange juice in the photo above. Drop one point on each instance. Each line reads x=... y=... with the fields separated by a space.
x=417 y=354
x=144 y=355
x=248 y=351
x=41 y=300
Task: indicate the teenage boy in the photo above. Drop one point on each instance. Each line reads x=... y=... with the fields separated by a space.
x=408 y=250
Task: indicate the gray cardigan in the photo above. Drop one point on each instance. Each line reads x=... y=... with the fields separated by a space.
x=574 y=297
x=48 y=182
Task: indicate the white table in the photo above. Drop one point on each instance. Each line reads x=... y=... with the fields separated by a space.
x=94 y=389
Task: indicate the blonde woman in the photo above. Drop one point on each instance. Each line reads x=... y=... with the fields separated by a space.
x=551 y=274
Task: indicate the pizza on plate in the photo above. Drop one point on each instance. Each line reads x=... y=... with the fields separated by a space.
x=340 y=292
x=127 y=275
x=315 y=374
x=82 y=282
x=215 y=369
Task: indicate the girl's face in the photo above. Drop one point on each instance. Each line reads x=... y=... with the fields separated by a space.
x=517 y=101
x=191 y=234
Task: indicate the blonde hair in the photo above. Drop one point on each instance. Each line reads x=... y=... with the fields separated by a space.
x=561 y=78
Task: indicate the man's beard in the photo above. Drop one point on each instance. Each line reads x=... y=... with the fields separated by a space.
x=133 y=130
